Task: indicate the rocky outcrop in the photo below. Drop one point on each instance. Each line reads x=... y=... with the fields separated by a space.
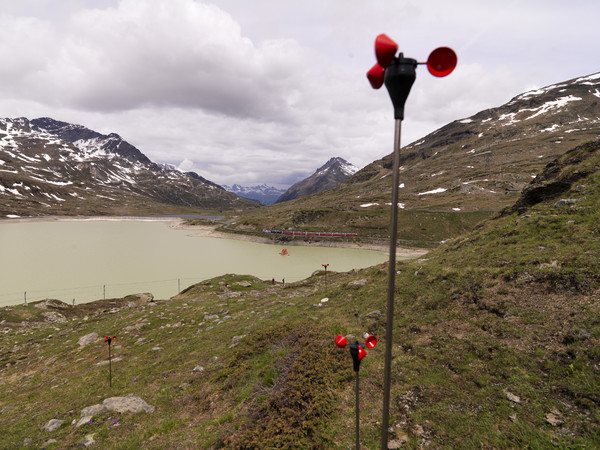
x=556 y=178
x=117 y=404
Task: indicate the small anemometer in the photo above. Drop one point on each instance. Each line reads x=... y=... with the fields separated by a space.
x=109 y=339
x=398 y=73
x=357 y=351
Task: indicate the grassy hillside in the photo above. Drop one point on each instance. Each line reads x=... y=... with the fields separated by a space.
x=416 y=228
x=496 y=345
x=453 y=178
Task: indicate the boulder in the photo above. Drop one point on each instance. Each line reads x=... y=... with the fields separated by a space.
x=374 y=315
x=236 y=339
x=146 y=297
x=92 y=410
x=88 y=440
x=83 y=420
x=106 y=362
x=52 y=425
x=88 y=339
x=51 y=304
x=127 y=404
x=511 y=397
x=565 y=201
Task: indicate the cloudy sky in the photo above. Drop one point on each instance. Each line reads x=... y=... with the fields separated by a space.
x=266 y=91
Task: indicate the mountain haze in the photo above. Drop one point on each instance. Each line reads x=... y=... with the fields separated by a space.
x=263 y=193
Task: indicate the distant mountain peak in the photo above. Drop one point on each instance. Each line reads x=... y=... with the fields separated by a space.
x=262 y=193
x=328 y=176
x=338 y=163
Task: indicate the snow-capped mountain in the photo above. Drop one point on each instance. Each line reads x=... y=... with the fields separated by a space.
x=481 y=162
x=459 y=174
x=484 y=161
x=332 y=173
x=263 y=193
x=48 y=167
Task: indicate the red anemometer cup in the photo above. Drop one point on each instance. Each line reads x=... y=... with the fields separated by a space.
x=357 y=351
x=340 y=341
x=371 y=341
x=398 y=73
x=385 y=50
x=441 y=62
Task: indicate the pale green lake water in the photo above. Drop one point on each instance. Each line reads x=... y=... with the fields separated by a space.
x=86 y=260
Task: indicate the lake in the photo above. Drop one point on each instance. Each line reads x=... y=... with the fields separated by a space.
x=91 y=259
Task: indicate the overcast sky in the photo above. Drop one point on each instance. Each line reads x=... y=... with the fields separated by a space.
x=266 y=91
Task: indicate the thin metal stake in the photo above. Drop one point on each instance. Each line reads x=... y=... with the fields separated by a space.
x=391 y=288
x=109 y=367
x=357 y=415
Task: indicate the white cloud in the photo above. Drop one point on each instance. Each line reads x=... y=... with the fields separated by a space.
x=186 y=166
x=262 y=91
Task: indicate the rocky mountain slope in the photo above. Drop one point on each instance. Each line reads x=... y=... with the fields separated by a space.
x=49 y=167
x=455 y=176
x=267 y=195
x=329 y=175
x=495 y=345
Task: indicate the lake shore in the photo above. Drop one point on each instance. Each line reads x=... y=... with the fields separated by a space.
x=211 y=231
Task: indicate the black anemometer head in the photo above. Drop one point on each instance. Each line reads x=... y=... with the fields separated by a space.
x=399 y=73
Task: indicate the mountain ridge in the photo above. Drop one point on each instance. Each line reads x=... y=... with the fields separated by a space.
x=455 y=176
x=49 y=167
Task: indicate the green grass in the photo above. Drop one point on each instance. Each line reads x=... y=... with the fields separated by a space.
x=416 y=228
x=509 y=310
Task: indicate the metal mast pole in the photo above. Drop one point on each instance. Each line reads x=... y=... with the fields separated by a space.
x=109 y=367
x=391 y=286
x=357 y=415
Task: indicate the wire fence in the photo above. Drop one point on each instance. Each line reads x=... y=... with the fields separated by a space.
x=83 y=294
x=160 y=289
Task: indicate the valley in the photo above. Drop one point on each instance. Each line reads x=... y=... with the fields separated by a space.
x=497 y=323
x=495 y=343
